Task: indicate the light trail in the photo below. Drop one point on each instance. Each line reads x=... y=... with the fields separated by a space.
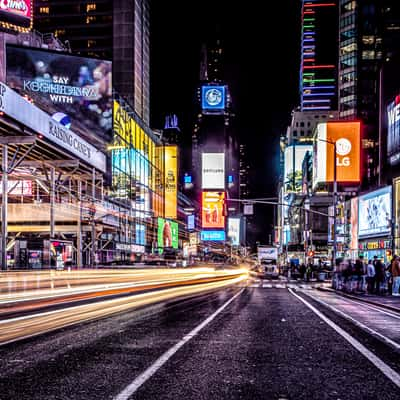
x=31 y=325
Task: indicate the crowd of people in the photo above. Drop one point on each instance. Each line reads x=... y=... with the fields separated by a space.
x=371 y=276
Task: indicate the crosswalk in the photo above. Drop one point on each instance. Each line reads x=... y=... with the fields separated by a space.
x=285 y=285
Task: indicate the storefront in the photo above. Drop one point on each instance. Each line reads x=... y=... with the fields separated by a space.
x=381 y=248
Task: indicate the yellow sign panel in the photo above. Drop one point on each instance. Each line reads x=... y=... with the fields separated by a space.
x=171 y=180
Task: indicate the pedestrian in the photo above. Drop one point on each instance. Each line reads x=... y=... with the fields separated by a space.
x=359 y=273
x=379 y=274
x=396 y=277
x=370 y=277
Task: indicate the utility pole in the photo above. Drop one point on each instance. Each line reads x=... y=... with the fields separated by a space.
x=334 y=205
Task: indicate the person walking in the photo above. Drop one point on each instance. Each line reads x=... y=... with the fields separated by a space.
x=396 y=277
x=370 y=277
x=379 y=274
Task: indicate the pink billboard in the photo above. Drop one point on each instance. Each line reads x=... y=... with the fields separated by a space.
x=16 y=13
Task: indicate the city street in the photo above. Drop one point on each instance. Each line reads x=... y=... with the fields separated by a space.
x=264 y=340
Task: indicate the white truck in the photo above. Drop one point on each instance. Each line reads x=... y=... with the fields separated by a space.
x=268 y=261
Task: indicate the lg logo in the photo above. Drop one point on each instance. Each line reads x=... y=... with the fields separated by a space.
x=343 y=148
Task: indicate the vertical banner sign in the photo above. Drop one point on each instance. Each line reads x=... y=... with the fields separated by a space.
x=213 y=210
x=213 y=171
x=170 y=180
x=346 y=137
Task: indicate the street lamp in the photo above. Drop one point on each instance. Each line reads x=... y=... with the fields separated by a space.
x=334 y=197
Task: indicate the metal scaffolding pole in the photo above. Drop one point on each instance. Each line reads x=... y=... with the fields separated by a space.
x=79 y=227
x=93 y=247
x=4 y=217
x=52 y=200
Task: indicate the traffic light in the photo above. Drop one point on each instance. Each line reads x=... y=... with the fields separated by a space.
x=311 y=253
x=388 y=253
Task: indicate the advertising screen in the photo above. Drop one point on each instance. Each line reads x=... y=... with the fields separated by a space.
x=354 y=224
x=171 y=188
x=190 y=222
x=234 y=230
x=346 y=137
x=140 y=234
x=375 y=213
x=167 y=233
x=393 y=126
x=213 y=210
x=16 y=14
x=213 y=97
x=212 y=236
x=213 y=171
x=75 y=91
x=294 y=156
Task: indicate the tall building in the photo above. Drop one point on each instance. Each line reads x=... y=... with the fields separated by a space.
x=318 y=69
x=115 y=30
x=213 y=130
x=369 y=33
x=244 y=169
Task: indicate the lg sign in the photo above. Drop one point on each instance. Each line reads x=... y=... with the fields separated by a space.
x=343 y=148
x=345 y=136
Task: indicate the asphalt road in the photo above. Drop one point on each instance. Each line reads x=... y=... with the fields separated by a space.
x=265 y=344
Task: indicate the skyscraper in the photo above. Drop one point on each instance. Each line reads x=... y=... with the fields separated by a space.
x=369 y=33
x=116 y=30
x=318 y=68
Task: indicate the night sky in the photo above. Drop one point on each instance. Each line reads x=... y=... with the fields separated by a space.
x=261 y=65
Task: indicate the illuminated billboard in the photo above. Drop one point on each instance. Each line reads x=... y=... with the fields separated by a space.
x=167 y=233
x=16 y=14
x=190 y=222
x=170 y=177
x=212 y=236
x=212 y=215
x=375 y=213
x=234 y=231
x=346 y=137
x=213 y=97
x=354 y=224
x=213 y=171
x=393 y=124
x=75 y=91
x=294 y=156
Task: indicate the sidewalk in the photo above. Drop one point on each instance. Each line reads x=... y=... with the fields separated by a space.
x=386 y=301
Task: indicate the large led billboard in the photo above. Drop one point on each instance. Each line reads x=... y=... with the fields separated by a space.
x=234 y=231
x=75 y=91
x=16 y=14
x=294 y=156
x=213 y=97
x=213 y=171
x=212 y=215
x=393 y=125
x=346 y=137
x=170 y=178
x=375 y=213
x=167 y=233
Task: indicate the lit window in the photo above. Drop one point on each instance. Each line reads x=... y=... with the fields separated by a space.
x=44 y=10
x=90 y=19
x=91 y=43
x=90 y=7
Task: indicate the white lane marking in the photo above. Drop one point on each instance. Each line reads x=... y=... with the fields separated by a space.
x=357 y=323
x=149 y=372
x=382 y=366
x=376 y=308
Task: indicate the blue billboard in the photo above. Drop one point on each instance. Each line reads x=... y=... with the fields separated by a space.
x=213 y=97
x=190 y=222
x=214 y=236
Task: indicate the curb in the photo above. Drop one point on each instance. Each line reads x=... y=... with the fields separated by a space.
x=374 y=303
